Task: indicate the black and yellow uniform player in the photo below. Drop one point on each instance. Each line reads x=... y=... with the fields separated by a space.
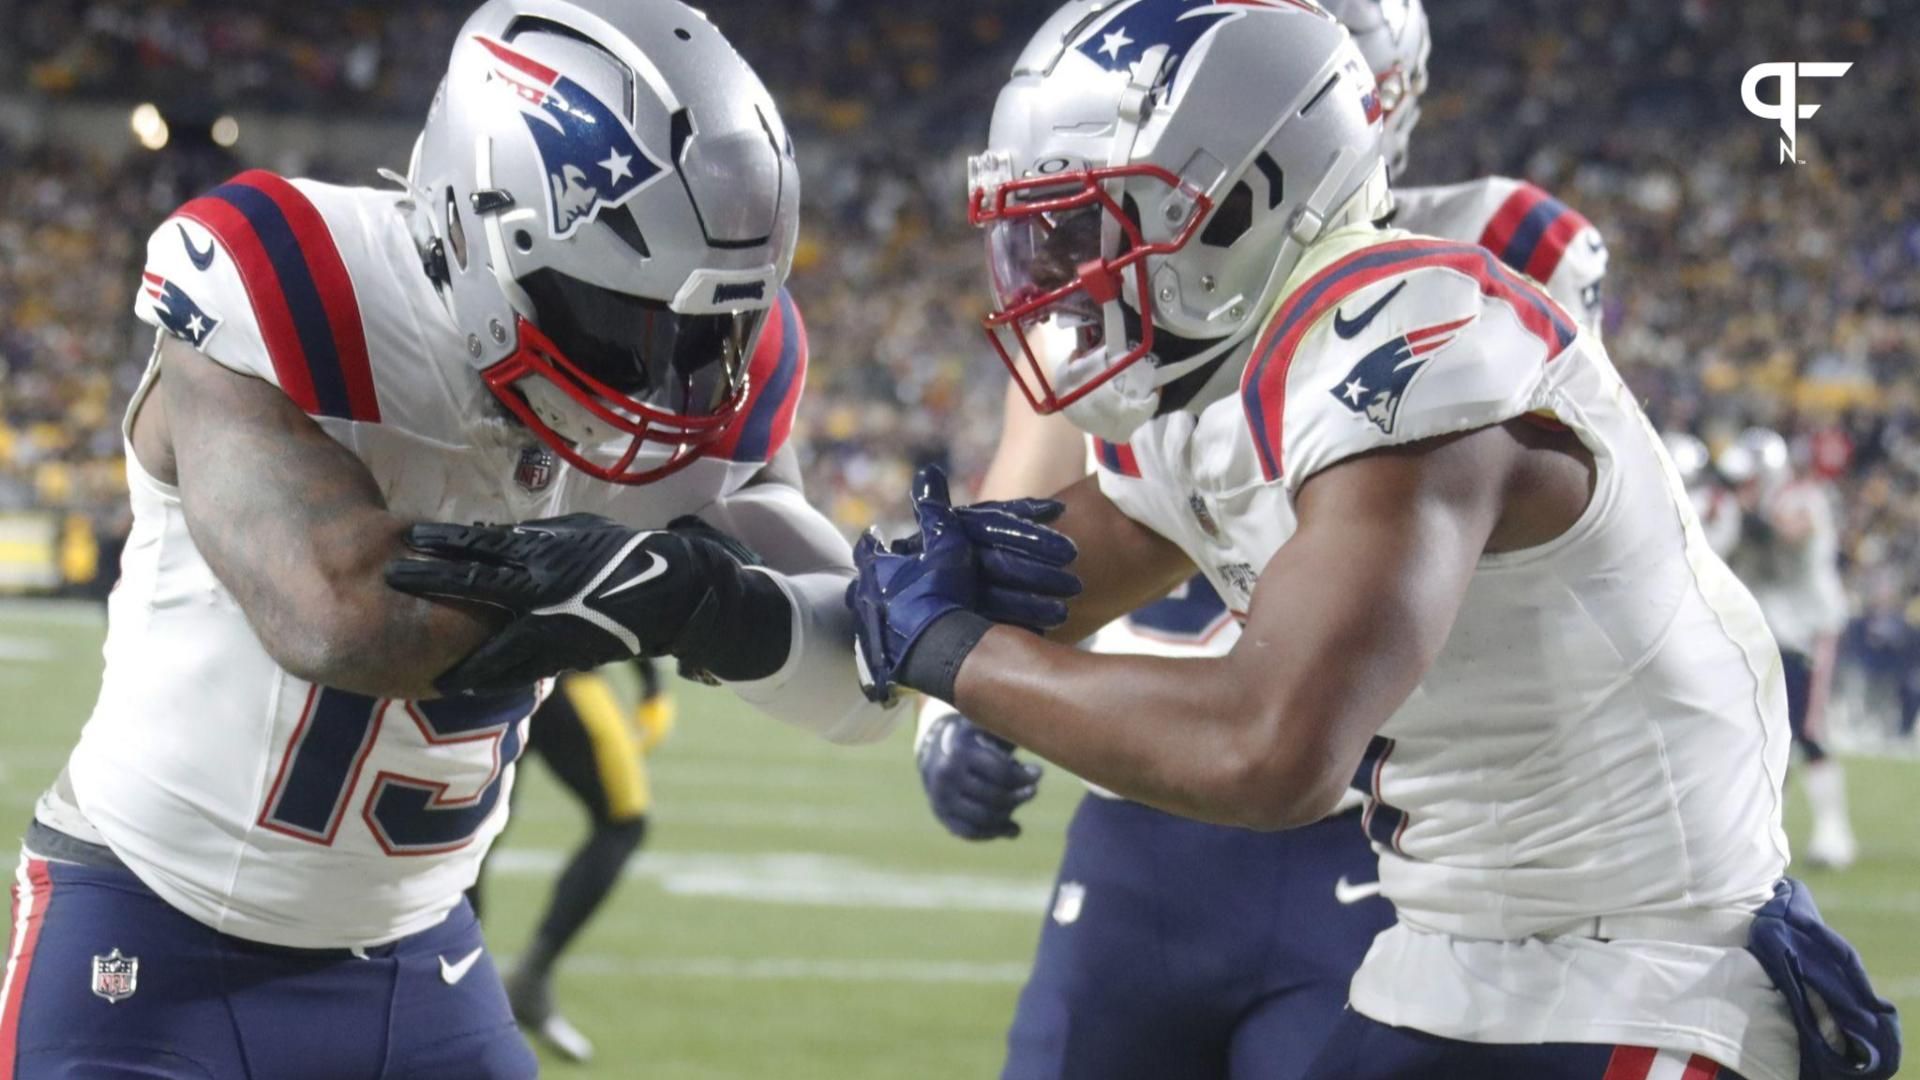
x=596 y=741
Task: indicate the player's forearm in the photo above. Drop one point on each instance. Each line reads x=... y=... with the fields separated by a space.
x=1192 y=736
x=818 y=688
x=296 y=530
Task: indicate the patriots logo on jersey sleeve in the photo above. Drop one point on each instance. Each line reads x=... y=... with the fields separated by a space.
x=592 y=158
x=1378 y=383
x=1137 y=29
x=177 y=311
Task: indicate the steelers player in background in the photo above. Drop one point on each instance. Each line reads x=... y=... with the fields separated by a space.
x=596 y=740
x=1789 y=555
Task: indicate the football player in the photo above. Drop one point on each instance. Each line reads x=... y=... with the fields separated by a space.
x=1090 y=1009
x=597 y=747
x=1482 y=596
x=1788 y=553
x=571 y=317
x=1719 y=510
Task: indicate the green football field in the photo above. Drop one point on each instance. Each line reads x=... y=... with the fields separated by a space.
x=797 y=913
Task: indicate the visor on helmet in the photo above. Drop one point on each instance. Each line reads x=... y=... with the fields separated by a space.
x=599 y=374
x=1061 y=255
x=686 y=365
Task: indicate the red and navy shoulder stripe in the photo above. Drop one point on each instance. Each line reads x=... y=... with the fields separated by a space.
x=778 y=376
x=300 y=290
x=1116 y=457
x=1531 y=230
x=1263 y=387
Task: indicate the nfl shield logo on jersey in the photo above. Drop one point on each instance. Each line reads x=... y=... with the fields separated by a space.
x=115 y=977
x=1068 y=902
x=535 y=469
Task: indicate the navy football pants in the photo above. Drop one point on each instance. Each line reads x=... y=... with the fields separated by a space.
x=1181 y=951
x=204 y=1004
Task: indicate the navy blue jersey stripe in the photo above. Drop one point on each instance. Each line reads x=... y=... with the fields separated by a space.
x=1527 y=235
x=296 y=284
x=758 y=432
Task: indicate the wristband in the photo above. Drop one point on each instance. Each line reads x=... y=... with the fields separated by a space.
x=933 y=663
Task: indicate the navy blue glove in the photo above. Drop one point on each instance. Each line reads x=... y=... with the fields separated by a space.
x=987 y=565
x=973 y=780
x=1847 y=1030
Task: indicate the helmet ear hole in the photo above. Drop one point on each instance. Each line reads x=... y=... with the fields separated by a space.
x=523 y=240
x=1232 y=219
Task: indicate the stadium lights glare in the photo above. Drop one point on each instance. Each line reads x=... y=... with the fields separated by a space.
x=149 y=127
x=226 y=132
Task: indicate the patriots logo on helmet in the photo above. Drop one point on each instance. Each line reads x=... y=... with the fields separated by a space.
x=1137 y=29
x=1378 y=383
x=177 y=312
x=591 y=157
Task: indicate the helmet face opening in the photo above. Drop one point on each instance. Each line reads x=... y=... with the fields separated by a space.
x=687 y=365
x=1063 y=259
x=642 y=399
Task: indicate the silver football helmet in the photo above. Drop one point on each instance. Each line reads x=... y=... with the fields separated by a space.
x=1394 y=37
x=1759 y=456
x=1154 y=170
x=609 y=203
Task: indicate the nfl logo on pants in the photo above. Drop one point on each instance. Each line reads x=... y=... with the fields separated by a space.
x=115 y=977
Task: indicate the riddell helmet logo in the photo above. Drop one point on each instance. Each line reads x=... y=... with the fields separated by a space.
x=1787 y=110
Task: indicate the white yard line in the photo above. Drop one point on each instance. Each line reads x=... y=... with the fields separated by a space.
x=806 y=879
x=761 y=969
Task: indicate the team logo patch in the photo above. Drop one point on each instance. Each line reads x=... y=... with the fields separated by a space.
x=535 y=469
x=115 y=977
x=177 y=311
x=1173 y=25
x=1202 y=515
x=1379 y=382
x=1068 y=902
x=593 y=159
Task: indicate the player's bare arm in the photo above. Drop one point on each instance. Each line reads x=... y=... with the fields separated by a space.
x=1036 y=455
x=1128 y=566
x=1348 y=617
x=294 y=526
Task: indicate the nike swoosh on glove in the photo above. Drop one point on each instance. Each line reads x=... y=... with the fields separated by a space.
x=1008 y=568
x=584 y=591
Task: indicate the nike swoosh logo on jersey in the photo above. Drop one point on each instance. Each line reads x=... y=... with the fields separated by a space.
x=659 y=567
x=1348 y=329
x=202 y=260
x=1350 y=893
x=451 y=974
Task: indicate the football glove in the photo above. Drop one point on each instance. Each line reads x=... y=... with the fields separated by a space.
x=990 y=564
x=584 y=591
x=973 y=781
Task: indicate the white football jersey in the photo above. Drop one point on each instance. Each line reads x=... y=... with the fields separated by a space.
x=258 y=803
x=1597 y=752
x=1798 y=586
x=1525 y=227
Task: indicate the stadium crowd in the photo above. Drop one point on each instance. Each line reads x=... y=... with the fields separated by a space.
x=1742 y=290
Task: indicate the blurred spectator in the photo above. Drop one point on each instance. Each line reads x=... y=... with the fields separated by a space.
x=1743 y=290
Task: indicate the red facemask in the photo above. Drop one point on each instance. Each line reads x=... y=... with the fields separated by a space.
x=692 y=437
x=1051 y=273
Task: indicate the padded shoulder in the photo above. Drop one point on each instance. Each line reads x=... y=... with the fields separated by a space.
x=777 y=378
x=1399 y=341
x=1525 y=227
x=251 y=275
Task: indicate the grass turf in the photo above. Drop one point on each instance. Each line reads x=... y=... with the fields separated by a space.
x=797 y=912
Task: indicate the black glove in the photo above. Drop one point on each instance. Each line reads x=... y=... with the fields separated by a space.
x=585 y=591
